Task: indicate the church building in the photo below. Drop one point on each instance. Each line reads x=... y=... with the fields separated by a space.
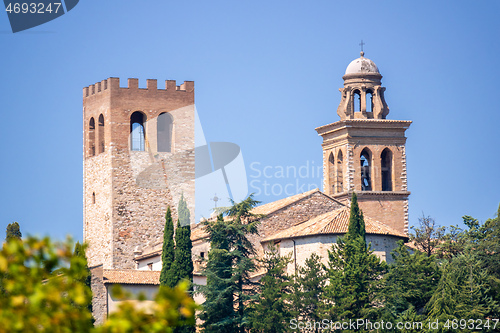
x=139 y=159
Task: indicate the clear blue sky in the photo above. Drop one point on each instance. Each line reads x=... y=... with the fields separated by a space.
x=266 y=74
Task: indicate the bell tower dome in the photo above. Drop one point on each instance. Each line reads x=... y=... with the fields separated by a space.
x=362 y=95
x=365 y=152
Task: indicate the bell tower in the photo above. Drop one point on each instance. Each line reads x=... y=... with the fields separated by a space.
x=365 y=152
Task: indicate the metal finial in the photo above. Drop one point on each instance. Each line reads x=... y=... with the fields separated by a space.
x=215 y=199
x=361 y=44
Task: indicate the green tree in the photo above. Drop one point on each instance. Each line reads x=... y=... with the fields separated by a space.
x=463 y=292
x=307 y=297
x=218 y=313
x=230 y=263
x=271 y=311
x=42 y=288
x=167 y=254
x=356 y=220
x=13 y=231
x=182 y=267
x=353 y=272
x=409 y=284
x=87 y=277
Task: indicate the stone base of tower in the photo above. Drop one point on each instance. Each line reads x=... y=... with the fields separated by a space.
x=390 y=208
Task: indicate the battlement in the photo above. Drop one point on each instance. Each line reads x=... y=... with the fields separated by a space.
x=113 y=83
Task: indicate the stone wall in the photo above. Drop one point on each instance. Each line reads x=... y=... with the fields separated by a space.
x=99 y=295
x=300 y=249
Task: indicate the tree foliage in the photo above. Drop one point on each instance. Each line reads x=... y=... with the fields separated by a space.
x=353 y=272
x=271 y=311
x=409 y=284
x=230 y=263
x=13 y=231
x=167 y=254
x=427 y=236
x=307 y=298
x=44 y=290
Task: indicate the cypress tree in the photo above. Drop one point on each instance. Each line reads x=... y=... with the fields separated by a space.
x=182 y=266
x=167 y=255
x=356 y=220
x=353 y=272
x=13 y=231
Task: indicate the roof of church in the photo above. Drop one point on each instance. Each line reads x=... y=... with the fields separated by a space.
x=333 y=222
x=198 y=232
x=131 y=276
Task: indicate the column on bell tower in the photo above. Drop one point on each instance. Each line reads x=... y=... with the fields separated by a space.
x=365 y=152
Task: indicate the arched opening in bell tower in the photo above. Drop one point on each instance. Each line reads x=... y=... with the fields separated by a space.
x=340 y=175
x=357 y=101
x=331 y=172
x=164 y=128
x=91 y=137
x=365 y=165
x=369 y=101
x=137 y=132
x=386 y=164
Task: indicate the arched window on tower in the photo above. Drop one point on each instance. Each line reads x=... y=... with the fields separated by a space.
x=369 y=101
x=137 y=133
x=101 y=134
x=164 y=127
x=366 y=164
x=357 y=101
x=386 y=161
x=340 y=174
x=331 y=172
x=92 y=137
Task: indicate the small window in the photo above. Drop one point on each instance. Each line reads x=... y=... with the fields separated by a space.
x=150 y=266
x=93 y=197
x=137 y=133
x=101 y=134
x=91 y=137
x=202 y=255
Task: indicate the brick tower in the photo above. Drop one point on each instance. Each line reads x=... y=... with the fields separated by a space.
x=138 y=160
x=365 y=152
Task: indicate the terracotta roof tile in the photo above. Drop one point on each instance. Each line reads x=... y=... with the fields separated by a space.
x=277 y=205
x=333 y=222
x=198 y=231
x=131 y=276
